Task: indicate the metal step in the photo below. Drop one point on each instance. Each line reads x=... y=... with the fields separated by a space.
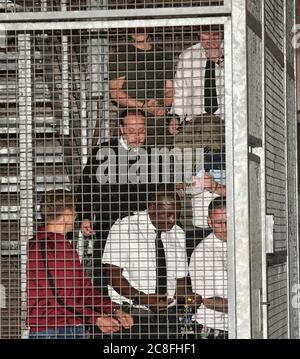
x=9 y=231
x=10 y=248
x=40 y=155
x=9 y=125
x=8 y=213
x=12 y=213
x=9 y=61
x=9 y=91
x=42 y=183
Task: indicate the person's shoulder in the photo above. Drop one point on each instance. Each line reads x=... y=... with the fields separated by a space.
x=124 y=228
x=112 y=142
x=189 y=51
x=119 y=50
x=198 y=251
x=178 y=228
x=97 y=147
x=127 y=220
x=33 y=242
x=179 y=234
x=208 y=245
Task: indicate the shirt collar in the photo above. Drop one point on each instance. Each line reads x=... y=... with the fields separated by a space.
x=123 y=143
x=203 y=55
x=151 y=226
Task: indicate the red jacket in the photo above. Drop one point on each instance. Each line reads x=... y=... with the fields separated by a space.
x=71 y=284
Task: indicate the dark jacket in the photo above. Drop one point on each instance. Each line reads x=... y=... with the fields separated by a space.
x=104 y=203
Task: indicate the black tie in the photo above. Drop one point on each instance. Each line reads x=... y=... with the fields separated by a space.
x=210 y=90
x=161 y=267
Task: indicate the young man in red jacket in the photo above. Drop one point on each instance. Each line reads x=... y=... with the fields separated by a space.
x=61 y=299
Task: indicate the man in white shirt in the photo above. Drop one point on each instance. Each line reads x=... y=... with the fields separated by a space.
x=199 y=103
x=146 y=262
x=200 y=73
x=208 y=272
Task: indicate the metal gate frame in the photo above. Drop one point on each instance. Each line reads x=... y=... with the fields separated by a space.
x=236 y=117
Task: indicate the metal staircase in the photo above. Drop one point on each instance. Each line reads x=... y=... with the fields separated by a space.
x=31 y=161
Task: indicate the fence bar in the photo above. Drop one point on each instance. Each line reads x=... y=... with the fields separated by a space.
x=26 y=173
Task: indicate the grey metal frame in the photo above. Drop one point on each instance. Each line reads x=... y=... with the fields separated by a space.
x=286 y=63
x=234 y=19
x=263 y=200
x=95 y=15
x=26 y=173
x=239 y=304
x=105 y=25
x=295 y=167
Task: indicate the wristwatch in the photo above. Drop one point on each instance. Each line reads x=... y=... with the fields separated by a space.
x=220 y=60
x=136 y=298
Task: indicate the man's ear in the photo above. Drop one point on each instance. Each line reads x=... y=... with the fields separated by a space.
x=209 y=222
x=152 y=207
x=121 y=129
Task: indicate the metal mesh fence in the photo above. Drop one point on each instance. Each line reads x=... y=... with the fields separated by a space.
x=69 y=5
x=131 y=122
x=113 y=171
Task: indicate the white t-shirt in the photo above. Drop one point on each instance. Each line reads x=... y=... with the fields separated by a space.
x=189 y=84
x=131 y=245
x=208 y=271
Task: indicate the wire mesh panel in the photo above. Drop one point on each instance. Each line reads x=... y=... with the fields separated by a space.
x=293 y=248
x=276 y=161
x=114 y=173
x=69 y=5
x=255 y=87
x=277 y=289
x=274 y=21
x=293 y=235
x=125 y=128
x=275 y=147
x=280 y=178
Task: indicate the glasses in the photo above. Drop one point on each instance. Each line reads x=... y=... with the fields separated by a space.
x=141 y=131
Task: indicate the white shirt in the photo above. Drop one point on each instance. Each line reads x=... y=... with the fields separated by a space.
x=189 y=84
x=200 y=203
x=123 y=143
x=131 y=245
x=208 y=272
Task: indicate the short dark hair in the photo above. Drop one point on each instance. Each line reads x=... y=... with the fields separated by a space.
x=54 y=203
x=211 y=28
x=217 y=203
x=163 y=190
x=129 y=112
x=140 y=30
